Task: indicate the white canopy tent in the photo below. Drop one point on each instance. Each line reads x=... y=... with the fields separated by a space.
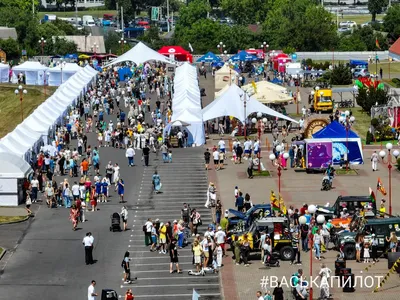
x=186 y=103
x=231 y=103
x=224 y=76
x=33 y=71
x=139 y=55
x=58 y=75
x=267 y=92
x=4 y=72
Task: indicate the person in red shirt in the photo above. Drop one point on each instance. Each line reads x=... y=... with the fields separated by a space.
x=303 y=209
x=85 y=166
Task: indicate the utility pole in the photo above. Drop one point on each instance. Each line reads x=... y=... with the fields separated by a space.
x=117 y=15
x=33 y=7
x=76 y=13
x=168 y=27
x=122 y=22
x=390 y=3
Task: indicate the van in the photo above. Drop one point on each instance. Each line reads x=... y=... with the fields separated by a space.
x=88 y=21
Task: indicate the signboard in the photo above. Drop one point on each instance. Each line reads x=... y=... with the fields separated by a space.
x=155 y=13
x=171 y=69
x=319 y=154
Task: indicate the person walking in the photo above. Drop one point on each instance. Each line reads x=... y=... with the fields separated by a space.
x=146 y=154
x=173 y=253
x=130 y=154
x=296 y=248
x=127 y=268
x=374 y=161
x=207 y=156
x=164 y=152
x=147 y=232
x=121 y=189
x=124 y=215
x=92 y=295
x=129 y=295
x=88 y=243
x=73 y=216
x=156 y=182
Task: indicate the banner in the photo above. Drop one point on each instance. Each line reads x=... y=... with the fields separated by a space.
x=155 y=13
x=354 y=155
x=319 y=154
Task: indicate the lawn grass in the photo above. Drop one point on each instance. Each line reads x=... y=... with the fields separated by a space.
x=261 y=173
x=10 y=109
x=359 y=19
x=69 y=14
x=8 y=219
x=362 y=123
x=346 y=172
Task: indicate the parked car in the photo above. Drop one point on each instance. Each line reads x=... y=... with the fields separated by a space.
x=361 y=72
x=257 y=211
x=348 y=24
x=381 y=227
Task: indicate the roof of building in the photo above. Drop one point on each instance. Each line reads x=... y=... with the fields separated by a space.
x=395 y=48
x=85 y=43
x=8 y=32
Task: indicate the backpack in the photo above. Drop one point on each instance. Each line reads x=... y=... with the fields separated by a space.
x=186 y=212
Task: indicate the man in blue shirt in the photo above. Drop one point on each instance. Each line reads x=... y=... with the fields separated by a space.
x=239 y=203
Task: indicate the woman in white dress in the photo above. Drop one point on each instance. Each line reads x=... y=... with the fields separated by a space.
x=115 y=177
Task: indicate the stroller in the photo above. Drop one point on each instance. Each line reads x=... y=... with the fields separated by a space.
x=326 y=184
x=115 y=222
x=271 y=260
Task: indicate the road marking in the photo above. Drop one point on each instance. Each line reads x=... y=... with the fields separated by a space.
x=163 y=295
x=163 y=257
x=180 y=277
x=175 y=285
x=159 y=264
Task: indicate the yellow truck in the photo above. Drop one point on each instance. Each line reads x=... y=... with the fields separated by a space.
x=322 y=100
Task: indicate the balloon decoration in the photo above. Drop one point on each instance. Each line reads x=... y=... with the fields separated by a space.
x=368 y=82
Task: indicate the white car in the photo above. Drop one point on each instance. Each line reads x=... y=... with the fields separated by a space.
x=348 y=24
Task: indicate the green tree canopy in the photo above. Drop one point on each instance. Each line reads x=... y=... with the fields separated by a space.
x=300 y=24
x=376 y=7
x=391 y=21
x=245 y=12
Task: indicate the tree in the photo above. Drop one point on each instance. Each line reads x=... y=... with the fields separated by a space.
x=10 y=47
x=152 y=38
x=391 y=21
x=368 y=97
x=341 y=75
x=301 y=25
x=245 y=12
x=375 y=7
x=195 y=11
x=62 y=46
x=351 y=43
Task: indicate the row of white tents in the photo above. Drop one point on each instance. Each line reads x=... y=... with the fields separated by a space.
x=37 y=74
x=36 y=131
x=186 y=103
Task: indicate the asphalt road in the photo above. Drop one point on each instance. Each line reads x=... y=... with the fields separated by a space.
x=46 y=260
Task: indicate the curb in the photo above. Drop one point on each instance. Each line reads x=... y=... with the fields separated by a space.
x=19 y=221
x=3 y=253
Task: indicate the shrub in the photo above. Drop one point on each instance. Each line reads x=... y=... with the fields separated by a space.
x=369 y=138
x=375 y=122
x=396 y=82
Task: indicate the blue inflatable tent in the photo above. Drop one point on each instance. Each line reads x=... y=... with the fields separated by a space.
x=342 y=142
x=243 y=56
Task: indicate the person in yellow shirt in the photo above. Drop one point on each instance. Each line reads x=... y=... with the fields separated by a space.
x=197 y=251
x=382 y=209
x=163 y=237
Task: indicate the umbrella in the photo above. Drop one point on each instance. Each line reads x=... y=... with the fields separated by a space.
x=244 y=56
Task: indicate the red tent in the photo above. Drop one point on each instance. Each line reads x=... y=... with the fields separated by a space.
x=176 y=52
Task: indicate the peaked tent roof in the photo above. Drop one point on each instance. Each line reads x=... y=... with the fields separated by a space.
x=209 y=57
x=69 y=67
x=230 y=104
x=243 y=56
x=140 y=54
x=30 y=66
x=334 y=130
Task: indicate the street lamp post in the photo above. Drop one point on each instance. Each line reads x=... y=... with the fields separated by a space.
x=259 y=122
x=42 y=42
x=122 y=43
x=265 y=47
x=389 y=162
x=347 y=121
x=311 y=209
x=221 y=47
x=20 y=91
x=225 y=56
x=245 y=99
x=273 y=158
x=62 y=66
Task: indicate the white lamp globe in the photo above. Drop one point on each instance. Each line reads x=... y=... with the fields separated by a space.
x=347 y=113
x=389 y=146
x=285 y=155
x=279 y=148
x=317 y=88
x=320 y=219
x=20 y=87
x=341 y=119
x=16 y=92
x=302 y=220
x=312 y=209
x=265 y=120
x=272 y=156
x=25 y=92
x=312 y=93
x=396 y=153
x=254 y=120
x=352 y=119
x=240 y=78
x=382 y=153
x=259 y=114
x=321 y=93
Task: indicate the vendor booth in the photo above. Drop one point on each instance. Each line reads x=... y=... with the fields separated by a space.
x=58 y=75
x=33 y=72
x=336 y=142
x=280 y=61
x=209 y=58
x=14 y=170
x=244 y=56
x=176 y=53
x=4 y=73
x=225 y=76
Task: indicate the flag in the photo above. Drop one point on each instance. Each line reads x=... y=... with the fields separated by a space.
x=372 y=195
x=191 y=48
x=195 y=295
x=377 y=44
x=274 y=202
x=379 y=187
x=282 y=205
